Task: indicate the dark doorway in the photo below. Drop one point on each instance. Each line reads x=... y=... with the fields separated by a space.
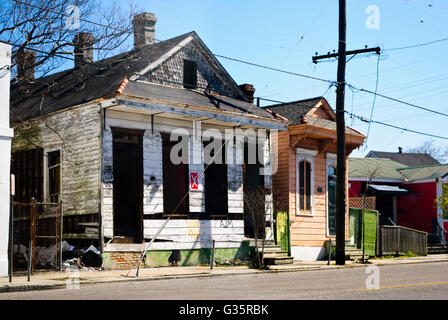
x=128 y=183
x=216 y=191
x=175 y=181
x=384 y=205
x=253 y=184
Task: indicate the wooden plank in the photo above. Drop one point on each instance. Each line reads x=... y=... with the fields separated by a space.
x=149 y=232
x=194 y=223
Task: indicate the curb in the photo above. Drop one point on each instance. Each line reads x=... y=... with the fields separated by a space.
x=36 y=287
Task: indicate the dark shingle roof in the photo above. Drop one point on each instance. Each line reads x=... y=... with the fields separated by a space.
x=408 y=159
x=294 y=111
x=102 y=78
x=76 y=86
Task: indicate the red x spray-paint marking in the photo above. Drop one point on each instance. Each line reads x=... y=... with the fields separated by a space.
x=194 y=181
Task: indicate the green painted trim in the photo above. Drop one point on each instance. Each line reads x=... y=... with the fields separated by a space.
x=194 y=257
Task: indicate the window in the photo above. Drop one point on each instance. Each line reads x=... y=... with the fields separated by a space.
x=54 y=176
x=305 y=181
x=305 y=186
x=190 y=74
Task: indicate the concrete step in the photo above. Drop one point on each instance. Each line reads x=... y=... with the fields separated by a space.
x=279 y=260
x=271 y=250
x=275 y=255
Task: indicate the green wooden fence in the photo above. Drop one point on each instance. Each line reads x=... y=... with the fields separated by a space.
x=370 y=229
x=283 y=235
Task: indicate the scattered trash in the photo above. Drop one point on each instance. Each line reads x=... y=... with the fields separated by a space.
x=46 y=257
x=92 y=258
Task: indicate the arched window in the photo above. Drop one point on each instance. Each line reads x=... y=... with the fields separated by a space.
x=305 y=186
x=305 y=181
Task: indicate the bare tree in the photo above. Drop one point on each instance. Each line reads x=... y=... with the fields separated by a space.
x=261 y=202
x=429 y=147
x=48 y=28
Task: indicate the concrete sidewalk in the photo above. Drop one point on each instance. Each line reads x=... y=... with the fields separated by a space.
x=55 y=280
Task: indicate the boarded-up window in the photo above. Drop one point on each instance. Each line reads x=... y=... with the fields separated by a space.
x=190 y=74
x=27 y=166
x=216 y=193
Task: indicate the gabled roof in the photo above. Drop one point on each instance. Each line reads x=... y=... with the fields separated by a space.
x=297 y=110
x=102 y=79
x=408 y=159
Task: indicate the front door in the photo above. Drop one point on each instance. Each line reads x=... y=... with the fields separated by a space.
x=331 y=200
x=128 y=184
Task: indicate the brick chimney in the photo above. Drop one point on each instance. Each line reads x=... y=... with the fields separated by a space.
x=144 y=29
x=25 y=61
x=248 y=91
x=83 y=43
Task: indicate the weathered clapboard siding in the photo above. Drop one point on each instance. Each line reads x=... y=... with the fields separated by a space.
x=208 y=77
x=152 y=173
x=195 y=234
x=76 y=133
x=153 y=167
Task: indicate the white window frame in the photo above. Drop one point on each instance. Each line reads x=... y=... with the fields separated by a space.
x=307 y=155
x=331 y=160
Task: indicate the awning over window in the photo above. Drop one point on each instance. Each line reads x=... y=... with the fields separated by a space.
x=385 y=189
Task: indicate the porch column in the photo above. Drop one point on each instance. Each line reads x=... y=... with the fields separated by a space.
x=6 y=134
x=196 y=167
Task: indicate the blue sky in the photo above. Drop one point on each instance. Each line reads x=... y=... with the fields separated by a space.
x=269 y=33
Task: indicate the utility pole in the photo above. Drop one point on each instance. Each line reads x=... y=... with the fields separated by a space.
x=340 y=135
x=341 y=170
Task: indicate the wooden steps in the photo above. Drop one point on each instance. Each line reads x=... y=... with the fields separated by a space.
x=272 y=253
x=437 y=248
x=354 y=254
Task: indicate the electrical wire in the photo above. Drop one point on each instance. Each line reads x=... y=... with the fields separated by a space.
x=374 y=98
x=417 y=45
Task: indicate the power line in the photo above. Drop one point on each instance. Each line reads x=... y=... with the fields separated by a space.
x=417 y=45
x=394 y=126
x=399 y=101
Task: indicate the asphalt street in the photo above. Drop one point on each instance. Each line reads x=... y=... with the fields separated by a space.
x=425 y=281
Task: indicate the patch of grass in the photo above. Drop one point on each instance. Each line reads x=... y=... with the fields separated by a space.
x=410 y=254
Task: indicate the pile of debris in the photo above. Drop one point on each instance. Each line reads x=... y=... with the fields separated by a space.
x=84 y=260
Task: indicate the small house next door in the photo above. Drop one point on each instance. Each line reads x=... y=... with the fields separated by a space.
x=128 y=184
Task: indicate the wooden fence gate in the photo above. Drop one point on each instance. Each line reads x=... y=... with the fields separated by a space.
x=283 y=235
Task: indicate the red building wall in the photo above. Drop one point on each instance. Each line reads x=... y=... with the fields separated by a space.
x=416 y=210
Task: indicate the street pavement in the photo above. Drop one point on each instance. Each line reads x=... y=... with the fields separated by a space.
x=381 y=280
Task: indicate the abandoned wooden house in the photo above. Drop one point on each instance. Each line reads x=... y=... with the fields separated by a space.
x=306 y=177
x=99 y=138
